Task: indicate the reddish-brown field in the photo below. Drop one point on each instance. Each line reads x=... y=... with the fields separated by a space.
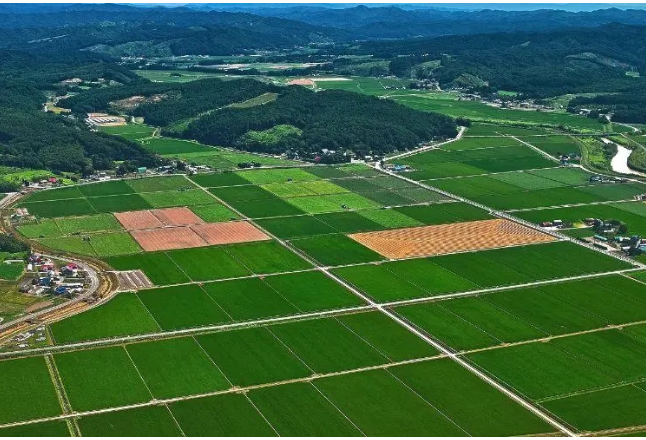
x=425 y=241
x=163 y=239
x=301 y=82
x=176 y=216
x=134 y=220
x=229 y=232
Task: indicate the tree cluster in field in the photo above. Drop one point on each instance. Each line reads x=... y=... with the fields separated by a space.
x=10 y=244
x=331 y=120
x=30 y=138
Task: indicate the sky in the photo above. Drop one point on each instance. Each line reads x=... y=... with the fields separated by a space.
x=573 y=7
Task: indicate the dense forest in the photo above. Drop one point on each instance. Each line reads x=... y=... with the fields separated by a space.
x=330 y=120
x=31 y=138
x=626 y=106
x=535 y=64
x=122 y=30
x=175 y=101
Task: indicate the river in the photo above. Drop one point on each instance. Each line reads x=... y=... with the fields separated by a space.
x=619 y=162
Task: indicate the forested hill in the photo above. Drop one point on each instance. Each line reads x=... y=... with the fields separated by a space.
x=397 y=22
x=536 y=64
x=172 y=102
x=329 y=120
x=126 y=30
x=31 y=138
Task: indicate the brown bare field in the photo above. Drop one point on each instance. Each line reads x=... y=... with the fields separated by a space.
x=176 y=216
x=133 y=220
x=425 y=241
x=163 y=239
x=301 y=82
x=229 y=232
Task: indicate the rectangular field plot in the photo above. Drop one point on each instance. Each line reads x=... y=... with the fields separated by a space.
x=44 y=429
x=266 y=257
x=325 y=345
x=249 y=298
x=59 y=209
x=64 y=193
x=117 y=187
x=219 y=179
x=220 y=416
x=229 y=232
x=386 y=336
x=322 y=293
x=71 y=244
x=541 y=370
x=157 y=266
x=263 y=177
x=443 y=213
x=331 y=203
x=473 y=316
x=165 y=183
x=176 y=367
x=45 y=228
x=27 y=390
x=149 y=421
x=272 y=207
x=555 y=145
x=476 y=407
x=128 y=202
x=389 y=218
x=295 y=227
x=290 y=189
x=182 y=307
x=301 y=410
x=380 y=283
x=115 y=243
x=121 y=316
x=612 y=408
x=191 y=197
x=86 y=224
x=425 y=241
x=252 y=356
x=215 y=263
x=348 y=222
x=163 y=239
x=214 y=213
x=334 y=250
x=361 y=398
x=173 y=146
x=120 y=382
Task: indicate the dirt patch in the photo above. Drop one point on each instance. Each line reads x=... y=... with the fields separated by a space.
x=135 y=220
x=229 y=232
x=425 y=241
x=163 y=239
x=38 y=306
x=132 y=280
x=301 y=82
x=176 y=216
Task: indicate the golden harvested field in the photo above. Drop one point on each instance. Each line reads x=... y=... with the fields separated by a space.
x=425 y=241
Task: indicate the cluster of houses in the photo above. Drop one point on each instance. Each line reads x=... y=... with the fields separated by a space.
x=49 y=281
